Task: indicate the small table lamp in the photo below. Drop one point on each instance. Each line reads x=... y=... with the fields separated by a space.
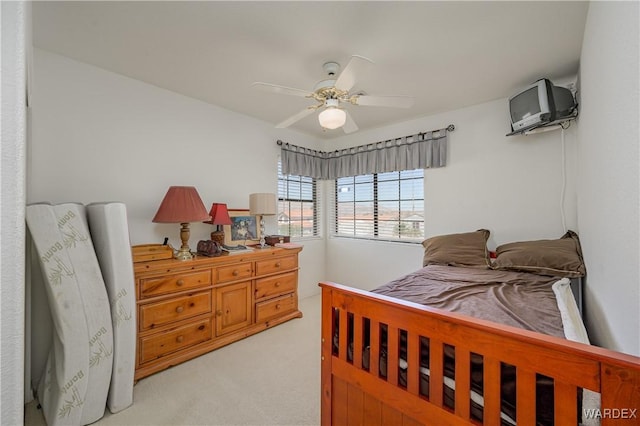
x=219 y=216
x=262 y=204
x=182 y=205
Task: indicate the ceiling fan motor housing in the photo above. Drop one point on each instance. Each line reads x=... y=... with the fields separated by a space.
x=331 y=68
x=331 y=103
x=324 y=84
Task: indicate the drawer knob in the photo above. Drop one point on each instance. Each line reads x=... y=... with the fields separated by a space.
x=180 y=282
x=278 y=306
x=219 y=313
x=179 y=339
x=277 y=264
x=277 y=284
x=179 y=309
x=235 y=273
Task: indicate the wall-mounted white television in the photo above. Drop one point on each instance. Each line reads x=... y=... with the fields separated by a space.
x=538 y=104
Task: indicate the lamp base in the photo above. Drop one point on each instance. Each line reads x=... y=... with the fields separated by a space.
x=262 y=239
x=218 y=237
x=261 y=245
x=184 y=254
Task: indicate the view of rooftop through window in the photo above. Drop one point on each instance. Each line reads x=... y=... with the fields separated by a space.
x=386 y=206
x=297 y=205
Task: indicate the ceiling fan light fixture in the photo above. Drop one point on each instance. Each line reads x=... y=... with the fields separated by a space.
x=332 y=118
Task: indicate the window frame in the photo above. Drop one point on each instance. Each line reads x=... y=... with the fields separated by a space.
x=375 y=181
x=286 y=197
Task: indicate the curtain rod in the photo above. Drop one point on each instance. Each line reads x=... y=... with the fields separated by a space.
x=449 y=128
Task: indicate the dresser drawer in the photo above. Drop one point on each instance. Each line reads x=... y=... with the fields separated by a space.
x=173 y=283
x=273 y=286
x=270 y=266
x=275 y=307
x=233 y=272
x=160 y=344
x=154 y=315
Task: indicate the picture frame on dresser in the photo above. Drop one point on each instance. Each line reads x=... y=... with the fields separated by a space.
x=244 y=228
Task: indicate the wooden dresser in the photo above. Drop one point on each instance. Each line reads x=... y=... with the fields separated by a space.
x=188 y=308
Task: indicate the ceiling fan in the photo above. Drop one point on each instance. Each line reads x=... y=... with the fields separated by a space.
x=332 y=93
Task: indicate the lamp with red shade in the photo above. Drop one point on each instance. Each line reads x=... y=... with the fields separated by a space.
x=182 y=204
x=219 y=216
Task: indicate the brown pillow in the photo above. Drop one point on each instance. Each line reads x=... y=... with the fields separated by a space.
x=467 y=249
x=557 y=258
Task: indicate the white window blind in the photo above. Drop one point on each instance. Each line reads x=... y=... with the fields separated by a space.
x=298 y=205
x=386 y=206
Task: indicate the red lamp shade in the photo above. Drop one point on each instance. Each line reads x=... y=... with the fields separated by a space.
x=181 y=204
x=219 y=214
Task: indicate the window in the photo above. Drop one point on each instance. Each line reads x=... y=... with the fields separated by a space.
x=387 y=206
x=298 y=205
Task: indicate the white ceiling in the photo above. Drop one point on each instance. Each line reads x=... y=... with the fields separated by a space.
x=447 y=55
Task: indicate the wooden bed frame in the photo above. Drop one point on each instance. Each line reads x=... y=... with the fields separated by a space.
x=353 y=395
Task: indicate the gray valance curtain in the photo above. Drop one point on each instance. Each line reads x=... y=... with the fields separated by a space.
x=420 y=151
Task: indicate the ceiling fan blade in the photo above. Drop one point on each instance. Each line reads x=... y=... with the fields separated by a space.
x=299 y=116
x=347 y=78
x=385 y=101
x=282 y=90
x=349 y=126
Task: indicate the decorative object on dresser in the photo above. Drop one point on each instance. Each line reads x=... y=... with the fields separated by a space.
x=219 y=217
x=272 y=240
x=288 y=246
x=144 y=252
x=182 y=204
x=209 y=248
x=243 y=228
x=262 y=204
x=186 y=309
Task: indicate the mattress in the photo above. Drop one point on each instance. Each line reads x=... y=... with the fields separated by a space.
x=110 y=234
x=62 y=387
x=75 y=379
x=74 y=228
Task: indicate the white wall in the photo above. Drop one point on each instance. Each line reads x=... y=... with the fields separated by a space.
x=99 y=136
x=608 y=195
x=509 y=185
x=15 y=29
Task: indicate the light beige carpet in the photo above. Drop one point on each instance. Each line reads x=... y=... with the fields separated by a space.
x=271 y=378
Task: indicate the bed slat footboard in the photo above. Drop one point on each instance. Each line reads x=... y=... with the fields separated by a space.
x=386 y=361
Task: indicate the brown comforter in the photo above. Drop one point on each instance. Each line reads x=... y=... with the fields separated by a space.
x=518 y=299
